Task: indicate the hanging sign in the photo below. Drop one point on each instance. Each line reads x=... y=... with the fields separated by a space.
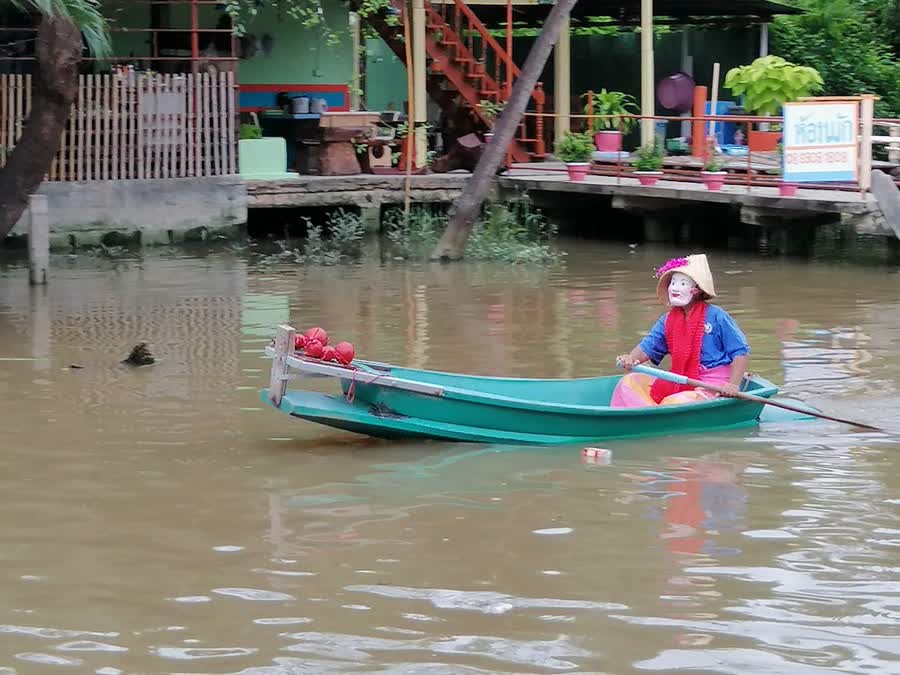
x=819 y=141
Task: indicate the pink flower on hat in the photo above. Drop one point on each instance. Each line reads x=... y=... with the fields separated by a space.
x=672 y=264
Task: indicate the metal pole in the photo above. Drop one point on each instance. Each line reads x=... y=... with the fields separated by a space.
x=195 y=36
x=356 y=39
x=509 y=48
x=647 y=72
x=410 y=108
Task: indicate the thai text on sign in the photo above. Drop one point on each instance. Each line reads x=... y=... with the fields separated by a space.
x=820 y=141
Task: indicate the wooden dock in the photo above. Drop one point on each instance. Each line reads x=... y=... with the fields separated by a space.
x=363 y=190
x=754 y=205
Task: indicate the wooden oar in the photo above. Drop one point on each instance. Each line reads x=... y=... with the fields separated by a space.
x=681 y=379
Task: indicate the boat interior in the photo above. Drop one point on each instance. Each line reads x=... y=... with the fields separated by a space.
x=581 y=391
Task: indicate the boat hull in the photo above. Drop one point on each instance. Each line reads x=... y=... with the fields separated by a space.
x=575 y=408
x=487 y=417
x=337 y=413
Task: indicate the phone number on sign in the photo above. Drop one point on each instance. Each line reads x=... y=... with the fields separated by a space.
x=819 y=157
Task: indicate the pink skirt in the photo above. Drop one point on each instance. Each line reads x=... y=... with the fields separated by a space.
x=633 y=390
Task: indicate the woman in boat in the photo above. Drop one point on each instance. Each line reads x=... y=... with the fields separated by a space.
x=703 y=340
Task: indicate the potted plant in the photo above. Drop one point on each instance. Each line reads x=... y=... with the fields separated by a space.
x=712 y=174
x=610 y=123
x=784 y=189
x=766 y=85
x=575 y=150
x=648 y=163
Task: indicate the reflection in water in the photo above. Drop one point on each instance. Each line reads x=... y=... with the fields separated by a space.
x=161 y=520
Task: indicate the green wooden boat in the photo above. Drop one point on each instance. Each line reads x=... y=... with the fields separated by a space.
x=387 y=401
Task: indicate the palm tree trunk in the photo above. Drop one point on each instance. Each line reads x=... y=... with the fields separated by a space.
x=465 y=211
x=55 y=84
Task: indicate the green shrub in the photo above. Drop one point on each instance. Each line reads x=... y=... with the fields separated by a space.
x=575 y=147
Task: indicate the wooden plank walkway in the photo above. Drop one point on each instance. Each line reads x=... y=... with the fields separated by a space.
x=531 y=177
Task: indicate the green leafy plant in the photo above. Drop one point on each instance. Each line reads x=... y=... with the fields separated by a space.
x=649 y=157
x=611 y=108
x=513 y=232
x=490 y=109
x=713 y=161
x=853 y=44
x=770 y=82
x=250 y=132
x=575 y=147
x=338 y=242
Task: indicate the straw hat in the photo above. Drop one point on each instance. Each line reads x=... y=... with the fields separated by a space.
x=694 y=266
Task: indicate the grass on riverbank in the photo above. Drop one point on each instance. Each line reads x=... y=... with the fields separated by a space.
x=513 y=231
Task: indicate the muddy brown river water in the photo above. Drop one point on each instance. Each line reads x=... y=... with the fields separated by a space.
x=161 y=520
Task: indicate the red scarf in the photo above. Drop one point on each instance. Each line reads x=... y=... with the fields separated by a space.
x=684 y=338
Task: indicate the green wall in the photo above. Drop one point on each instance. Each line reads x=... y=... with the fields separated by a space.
x=299 y=55
x=131 y=16
x=385 y=77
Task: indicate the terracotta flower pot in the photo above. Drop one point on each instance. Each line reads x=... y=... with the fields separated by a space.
x=608 y=141
x=787 y=189
x=648 y=177
x=763 y=141
x=714 y=180
x=578 y=170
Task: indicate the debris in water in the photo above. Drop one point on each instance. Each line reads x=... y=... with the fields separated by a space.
x=596 y=455
x=140 y=356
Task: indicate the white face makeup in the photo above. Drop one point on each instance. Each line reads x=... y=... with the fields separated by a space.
x=682 y=290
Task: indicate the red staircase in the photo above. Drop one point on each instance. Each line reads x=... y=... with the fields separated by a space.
x=463 y=54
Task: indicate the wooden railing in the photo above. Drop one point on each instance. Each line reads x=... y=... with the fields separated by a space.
x=135 y=126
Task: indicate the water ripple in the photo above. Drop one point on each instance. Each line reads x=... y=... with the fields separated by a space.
x=200 y=653
x=254 y=594
x=485 y=602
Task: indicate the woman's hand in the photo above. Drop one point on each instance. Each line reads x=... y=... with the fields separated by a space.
x=627 y=361
x=730 y=390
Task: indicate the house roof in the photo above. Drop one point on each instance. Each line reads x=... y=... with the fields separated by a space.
x=628 y=12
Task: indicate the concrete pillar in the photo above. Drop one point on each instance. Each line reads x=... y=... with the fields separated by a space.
x=370 y=217
x=648 y=95
x=41 y=328
x=38 y=239
x=420 y=90
x=764 y=39
x=562 y=81
x=656 y=229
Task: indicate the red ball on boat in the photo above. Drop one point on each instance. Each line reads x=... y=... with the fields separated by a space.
x=317 y=334
x=344 y=353
x=314 y=349
x=299 y=342
x=328 y=353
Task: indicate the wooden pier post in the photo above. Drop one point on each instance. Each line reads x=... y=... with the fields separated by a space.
x=866 y=113
x=284 y=347
x=38 y=239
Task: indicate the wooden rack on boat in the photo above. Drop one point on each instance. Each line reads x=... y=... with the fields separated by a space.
x=362 y=372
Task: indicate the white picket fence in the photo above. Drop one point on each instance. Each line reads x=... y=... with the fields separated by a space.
x=135 y=126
